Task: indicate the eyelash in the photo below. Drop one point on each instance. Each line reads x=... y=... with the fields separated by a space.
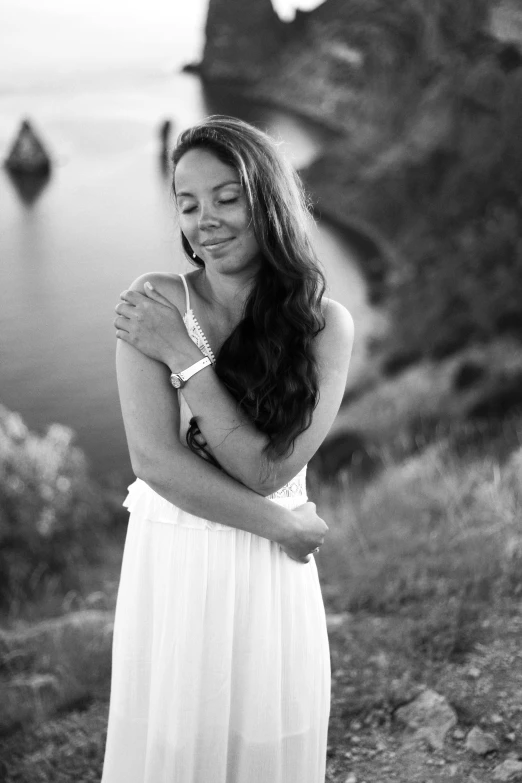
x=223 y=201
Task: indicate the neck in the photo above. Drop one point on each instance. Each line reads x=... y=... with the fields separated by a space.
x=227 y=294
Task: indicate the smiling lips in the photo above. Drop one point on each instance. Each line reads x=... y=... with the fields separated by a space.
x=216 y=243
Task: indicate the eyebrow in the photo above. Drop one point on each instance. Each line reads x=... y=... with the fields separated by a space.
x=217 y=187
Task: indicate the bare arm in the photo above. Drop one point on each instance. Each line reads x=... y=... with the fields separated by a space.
x=238 y=445
x=151 y=417
x=230 y=435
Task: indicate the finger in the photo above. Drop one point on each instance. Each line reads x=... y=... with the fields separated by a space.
x=132 y=297
x=122 y=308
x=121 y=323
x=152 y=293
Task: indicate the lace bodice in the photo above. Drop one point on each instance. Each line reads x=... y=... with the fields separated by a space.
x=294 y=489
x=197 y=334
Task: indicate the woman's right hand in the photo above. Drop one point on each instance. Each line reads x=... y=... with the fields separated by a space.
x=308 y=532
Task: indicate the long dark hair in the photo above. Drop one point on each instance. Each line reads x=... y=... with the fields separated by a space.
x=267 y=362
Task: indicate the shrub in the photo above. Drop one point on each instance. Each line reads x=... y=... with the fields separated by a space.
x=52 y=514
x=468 y=374
x=399 y=361
x=503 y=398
x=434 y=531
x=349 y=452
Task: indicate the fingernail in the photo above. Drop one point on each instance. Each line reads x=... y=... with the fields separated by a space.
x=149 y=285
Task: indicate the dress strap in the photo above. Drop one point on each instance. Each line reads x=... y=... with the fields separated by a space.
x=187 y=295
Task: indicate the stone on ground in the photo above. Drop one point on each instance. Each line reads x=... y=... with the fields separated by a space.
x=480 y=742
x=510 y=771
x=430 y=716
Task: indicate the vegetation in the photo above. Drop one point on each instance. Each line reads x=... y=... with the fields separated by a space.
x=54 y=519
x=425 y=562
x=424 y=551
x=437 y=535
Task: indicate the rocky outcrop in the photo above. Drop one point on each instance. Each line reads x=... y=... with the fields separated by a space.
x=344 y=62
x=426 y=98
x=28 y=164
x=241 y=39
x=28 y=154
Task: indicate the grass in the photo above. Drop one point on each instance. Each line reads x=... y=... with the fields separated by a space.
x=437 y=537
x=65 y=749
x=424 y=561
x=96 y=588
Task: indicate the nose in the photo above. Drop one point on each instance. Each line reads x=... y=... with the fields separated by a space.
x=207 y=217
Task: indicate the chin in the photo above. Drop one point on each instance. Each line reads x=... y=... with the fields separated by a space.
x=235 y=265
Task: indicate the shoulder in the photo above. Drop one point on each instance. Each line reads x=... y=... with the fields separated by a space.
x=170 y=285
x=339 y=326
x=333 y=345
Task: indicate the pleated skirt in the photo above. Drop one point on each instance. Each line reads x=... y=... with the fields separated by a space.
x=220 y=661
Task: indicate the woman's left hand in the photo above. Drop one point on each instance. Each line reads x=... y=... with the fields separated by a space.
x=154 y=325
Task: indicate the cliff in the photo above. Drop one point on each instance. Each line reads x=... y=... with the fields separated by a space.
x=427 y=103
x=241 y=38
x=327 y=59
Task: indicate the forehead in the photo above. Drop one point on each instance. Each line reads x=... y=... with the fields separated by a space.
x=200 y=170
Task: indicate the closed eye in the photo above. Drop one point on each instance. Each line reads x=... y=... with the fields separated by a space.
x=221 y=201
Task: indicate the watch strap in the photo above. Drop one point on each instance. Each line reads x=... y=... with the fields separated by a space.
x=194 y=368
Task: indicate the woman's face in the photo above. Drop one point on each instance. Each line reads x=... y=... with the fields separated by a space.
x=214 y=214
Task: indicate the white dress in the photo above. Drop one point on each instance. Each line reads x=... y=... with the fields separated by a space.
x=220 y=661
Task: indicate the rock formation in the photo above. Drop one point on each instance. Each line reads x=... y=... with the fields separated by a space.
x=28 y=155
x=322 y=61
x=241 y=39
x=426 y=97
x=28 y=164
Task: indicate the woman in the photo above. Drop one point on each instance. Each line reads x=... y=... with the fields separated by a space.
x=221 y=669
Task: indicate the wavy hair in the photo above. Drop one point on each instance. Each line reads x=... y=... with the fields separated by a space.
x=267 y=362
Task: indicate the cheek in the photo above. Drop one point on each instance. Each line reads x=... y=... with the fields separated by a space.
x=249 y=245
x=253 y=244
x=252 y=241
x=187 y=226
x=245 y=226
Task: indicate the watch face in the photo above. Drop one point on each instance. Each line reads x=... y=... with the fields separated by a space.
x=176 y=381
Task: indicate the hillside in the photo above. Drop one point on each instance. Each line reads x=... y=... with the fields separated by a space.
x=427 y=101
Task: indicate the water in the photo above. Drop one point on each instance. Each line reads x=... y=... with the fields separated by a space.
x=105 y=217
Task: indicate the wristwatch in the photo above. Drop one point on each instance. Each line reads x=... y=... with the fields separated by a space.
x=179 y=379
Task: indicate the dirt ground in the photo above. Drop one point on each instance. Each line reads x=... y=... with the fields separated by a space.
x=484 y=688
x=373 y=673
